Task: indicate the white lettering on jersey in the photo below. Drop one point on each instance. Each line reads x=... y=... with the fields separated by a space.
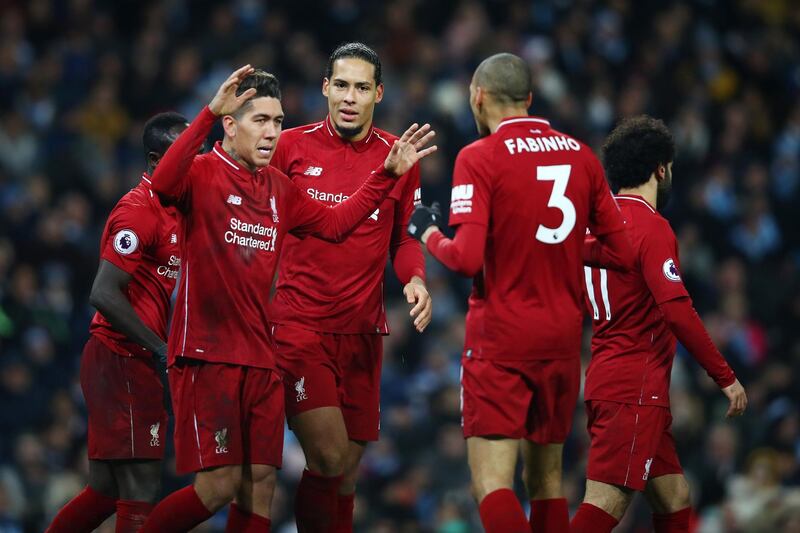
x=417 y=196
x=126 y=242
x=461 y=198
x=517 y=145
x=234 y=237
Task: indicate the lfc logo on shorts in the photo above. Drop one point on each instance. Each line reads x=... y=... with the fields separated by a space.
x=299 y=386
x=154 y=435
x=221 y=437
x=647 y=469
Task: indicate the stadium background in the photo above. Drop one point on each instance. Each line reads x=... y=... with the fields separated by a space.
x=79 y=77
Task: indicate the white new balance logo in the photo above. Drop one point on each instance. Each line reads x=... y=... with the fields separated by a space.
x=235 y=200
x=313 y=171
x=374 y=216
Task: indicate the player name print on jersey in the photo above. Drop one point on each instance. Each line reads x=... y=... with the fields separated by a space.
x=554 y=143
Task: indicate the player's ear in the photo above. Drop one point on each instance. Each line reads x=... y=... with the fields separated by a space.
x=661 y=172
x=229 y=125
x=379 y=93
x=153 y=158
x=529 y=100
x=325 y=84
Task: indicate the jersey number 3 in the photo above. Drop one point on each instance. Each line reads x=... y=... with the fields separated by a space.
x=559 y=175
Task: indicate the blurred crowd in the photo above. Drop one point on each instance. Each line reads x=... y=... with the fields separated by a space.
x=79 y=77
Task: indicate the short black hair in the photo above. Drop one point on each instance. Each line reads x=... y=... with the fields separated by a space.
x=265 y=84
x=156 y=136
x=635 y=149
x=506 y=77
x=358 y=51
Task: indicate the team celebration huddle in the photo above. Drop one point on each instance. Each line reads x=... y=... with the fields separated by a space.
x=275 y=243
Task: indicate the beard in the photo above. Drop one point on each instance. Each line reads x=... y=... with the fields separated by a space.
x=348 y=132
x=664 y=190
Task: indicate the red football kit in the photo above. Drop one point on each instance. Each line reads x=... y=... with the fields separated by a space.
x=528 y=192
x=328 y=307
x=124 y=395
x=233 y=226
x=636 y=317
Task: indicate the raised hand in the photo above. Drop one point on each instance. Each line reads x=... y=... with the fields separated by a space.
x=737 y=397
x=225 y=102
x=409 y=149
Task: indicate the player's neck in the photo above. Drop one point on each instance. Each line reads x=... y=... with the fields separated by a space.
x=497 y=115
x=648 y=191
x=226 y=145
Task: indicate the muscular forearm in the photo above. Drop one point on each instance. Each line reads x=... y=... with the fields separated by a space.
x=463 y=253
x=116 y=308
x=172 y=169
x=686 y=325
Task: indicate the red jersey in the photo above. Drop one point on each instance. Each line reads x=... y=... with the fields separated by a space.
x=233 y=226
x=141 y=238
x=633 y=346
x=536 y=190
x=339 y=289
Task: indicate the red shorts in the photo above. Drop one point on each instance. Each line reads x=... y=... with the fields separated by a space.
x=225 y=415
x=630 y=443
x=332 y=370
x=125 y=401
x=532 y=400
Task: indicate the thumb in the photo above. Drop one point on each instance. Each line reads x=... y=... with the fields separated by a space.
x=408 y=290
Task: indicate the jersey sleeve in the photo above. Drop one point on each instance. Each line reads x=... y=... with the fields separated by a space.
x=605 y=216
x=335 y=224
x=406 y=253
x=658 y=256
x=173 y=176
x=130 y=230
x=471 y=194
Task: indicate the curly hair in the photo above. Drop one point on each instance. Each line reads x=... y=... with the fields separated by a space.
x=633 y=151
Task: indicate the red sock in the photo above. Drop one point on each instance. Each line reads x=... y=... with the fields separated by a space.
x=551 y=515
x=84 y=512
x=178 y=512
x=315 y=503
x=677 y=522
x=131 y=515
x=591 y=519
x=501 y=513
x=344 y=514
x=242 y=521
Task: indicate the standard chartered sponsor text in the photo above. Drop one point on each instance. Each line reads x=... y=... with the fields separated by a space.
x=238 y=229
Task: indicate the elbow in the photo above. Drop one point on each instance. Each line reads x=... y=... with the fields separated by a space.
x=98 y=299
x=472 y=270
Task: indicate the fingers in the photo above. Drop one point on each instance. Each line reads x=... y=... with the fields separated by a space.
x=426 y=152
x=424 y=140
x=410 y=296
x=419 y=133
x=246 y=95
x=417 y=309
x=237 y=77
x=425 y=315
x=409 y=132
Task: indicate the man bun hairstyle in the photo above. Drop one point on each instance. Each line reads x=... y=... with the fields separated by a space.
x=265 y=84
x=358 y=51
x=635 y=149
x=157 y=129
x=506 y=77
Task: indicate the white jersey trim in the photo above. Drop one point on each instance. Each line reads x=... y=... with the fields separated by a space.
x=224 y=158
x=381 y=138
x=315 y=128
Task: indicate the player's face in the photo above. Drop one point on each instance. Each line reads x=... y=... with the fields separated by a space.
x=664 y=189
x=477 y=110
x=254 y=134
x=352 y=94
